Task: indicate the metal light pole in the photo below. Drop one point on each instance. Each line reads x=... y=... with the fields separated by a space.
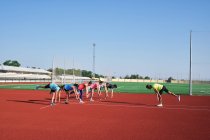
x=64 y=72
x=190 y=78
x=94 y=60
x=53 y=71
x=73 y=71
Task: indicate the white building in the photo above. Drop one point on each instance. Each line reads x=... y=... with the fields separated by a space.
x=18 y=73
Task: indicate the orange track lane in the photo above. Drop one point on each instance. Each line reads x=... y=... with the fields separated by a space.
x=26 y=114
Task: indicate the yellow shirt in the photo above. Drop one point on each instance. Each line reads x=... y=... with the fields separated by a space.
x=157 y=87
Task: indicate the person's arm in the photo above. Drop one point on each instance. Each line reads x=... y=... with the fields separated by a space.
x=112 y=93
x=106 y=91
x=67 y=95
x=99 y=90
x=76 y=93
x=59 y=95
x=86 y=90
x=156 y=91
x=158 y=96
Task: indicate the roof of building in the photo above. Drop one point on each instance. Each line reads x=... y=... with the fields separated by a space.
x=22 y=69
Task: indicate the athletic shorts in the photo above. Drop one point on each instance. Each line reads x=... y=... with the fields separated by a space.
x=68 y=89
x=110 y=86
x=163 y=89
x=94 y=89
x=52 y=91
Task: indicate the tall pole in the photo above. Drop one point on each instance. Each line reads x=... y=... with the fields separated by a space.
x=190 y=78
x=53 y=71
x=94 y=60
x=73 y=71
x=64 y=72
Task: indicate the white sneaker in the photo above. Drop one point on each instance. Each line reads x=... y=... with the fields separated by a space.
x=91 y=100
x=179 y=98
x=52 y=104
x=160 y=105
x=81 y=102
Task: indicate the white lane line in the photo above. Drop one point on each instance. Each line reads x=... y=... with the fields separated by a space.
x=168 y=107
x=45 y=107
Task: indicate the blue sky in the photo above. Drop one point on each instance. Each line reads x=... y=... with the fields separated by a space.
x=145 y=37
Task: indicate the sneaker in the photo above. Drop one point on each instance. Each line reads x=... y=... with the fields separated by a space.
x=52 y=104
x=179 y=98
x=66 y=102
x=81 y=102
x=91 y=100
x=160 y=105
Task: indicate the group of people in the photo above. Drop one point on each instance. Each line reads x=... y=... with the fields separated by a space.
x=90 y=87
x=78 y=89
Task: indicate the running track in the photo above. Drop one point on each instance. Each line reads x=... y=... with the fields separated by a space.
x=26 y=114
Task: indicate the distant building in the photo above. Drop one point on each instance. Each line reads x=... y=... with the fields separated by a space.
x=11 y=72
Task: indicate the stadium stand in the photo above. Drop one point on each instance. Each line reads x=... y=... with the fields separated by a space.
x=17 y=73
x=21 y=74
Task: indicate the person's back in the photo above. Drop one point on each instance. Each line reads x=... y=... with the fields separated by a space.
x=68 y=87
x=158 y=87
x=81 y=86
x=53 y=86
x=94 y=85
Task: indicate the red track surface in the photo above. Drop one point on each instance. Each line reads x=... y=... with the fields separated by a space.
x=26 y=115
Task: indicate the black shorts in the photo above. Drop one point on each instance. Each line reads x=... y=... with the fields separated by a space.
x=90 y=89
x=163 y=89
x=66 y=90
x=48 y=86
x=52 y=90
x=110 y=86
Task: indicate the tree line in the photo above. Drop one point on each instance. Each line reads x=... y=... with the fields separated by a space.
x=12 y=63
x=76 y=72
x=136 y=76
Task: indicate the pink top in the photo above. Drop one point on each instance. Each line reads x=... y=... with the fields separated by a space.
x=94 y=85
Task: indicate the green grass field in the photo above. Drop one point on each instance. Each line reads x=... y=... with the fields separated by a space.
x=128 y=87
x=197 y=89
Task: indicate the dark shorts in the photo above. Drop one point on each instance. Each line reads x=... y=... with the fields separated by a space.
x=52 y=91
x=68 y=90
x=91 y=89
x=163 y=89
x=110 y=86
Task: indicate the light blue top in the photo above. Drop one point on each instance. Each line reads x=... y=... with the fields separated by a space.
x=54 y=86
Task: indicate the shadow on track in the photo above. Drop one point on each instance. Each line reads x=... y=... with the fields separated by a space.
x=127 y=103
x=41 y=102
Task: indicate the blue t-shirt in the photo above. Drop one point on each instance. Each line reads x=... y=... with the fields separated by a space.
x=55 y=87
x=68 y=87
